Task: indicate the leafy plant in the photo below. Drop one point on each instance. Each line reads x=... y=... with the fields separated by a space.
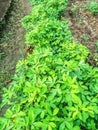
x=52 y=92
x=93 y=7
x=49 y=32
x=53 y=89
x=46 y=10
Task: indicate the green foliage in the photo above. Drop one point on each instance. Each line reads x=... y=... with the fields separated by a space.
x=48 y=9
x=50 y=3
x=49 y=31
x=53 y=89
x=93 y=7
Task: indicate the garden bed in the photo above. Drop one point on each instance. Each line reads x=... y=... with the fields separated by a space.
x=84 y=27
x=54 y=87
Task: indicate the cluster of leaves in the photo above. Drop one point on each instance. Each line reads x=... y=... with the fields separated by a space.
x=93 y=7
x=51 y=3
x=53 y=89
x=48 y=9
x=48 y=31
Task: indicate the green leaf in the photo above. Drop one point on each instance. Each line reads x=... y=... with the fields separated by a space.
x=62 y=126
x=85 y=116
x=42 y=114
x=55 y=112
x=76 y=99
x=49 y=127
x=21 y=113
x=74 y=114
x=76 y=128
x=38 y=124
x=3 y=123
x=68 y=125
x=8 y=113
x=52 y=124
x=37 y=111
x=31 y=114
x=79 y=115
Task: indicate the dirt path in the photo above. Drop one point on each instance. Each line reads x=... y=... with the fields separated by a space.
x=12 y=43
x=84 y=27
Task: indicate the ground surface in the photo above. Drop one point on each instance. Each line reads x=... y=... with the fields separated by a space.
x=4 y=5
x=84 y=27
x=12 y=43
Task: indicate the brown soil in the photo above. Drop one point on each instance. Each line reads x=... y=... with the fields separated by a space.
x=12 y=42
x=84 y=27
